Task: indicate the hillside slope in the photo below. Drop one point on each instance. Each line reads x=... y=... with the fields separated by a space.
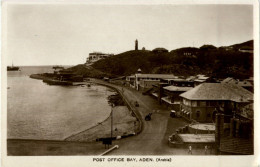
x=208 y=59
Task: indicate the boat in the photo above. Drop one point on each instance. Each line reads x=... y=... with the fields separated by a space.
x=12 y=68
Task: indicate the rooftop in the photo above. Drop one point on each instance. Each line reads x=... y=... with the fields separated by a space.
x=160 y=76
x=202 y=126
x=219 y=91
x=237 y=82
x=160 y=49
x=177 y=88
x=199 y=80
x=100 y=53
x=203 y=77
x=197 y=138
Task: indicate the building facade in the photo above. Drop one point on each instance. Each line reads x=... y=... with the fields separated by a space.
x=95 y=56
x=202 y=102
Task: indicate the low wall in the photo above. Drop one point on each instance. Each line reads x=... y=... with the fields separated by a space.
x=128 y=104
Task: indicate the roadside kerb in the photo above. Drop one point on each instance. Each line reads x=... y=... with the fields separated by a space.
x=130 y=107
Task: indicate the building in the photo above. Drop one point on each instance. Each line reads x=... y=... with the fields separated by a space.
x=95 y=56
x=160 y=50
x=180 y=82
x=246 y=49
x=130 y=81
x=238 y=139
x=69 y=75
x=171 y=96
x=202 y=102
x=245 y=84
x=200 y=79
x=146 y=84
x=145 y=81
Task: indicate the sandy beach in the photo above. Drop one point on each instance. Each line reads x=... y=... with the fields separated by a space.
x=124 y=124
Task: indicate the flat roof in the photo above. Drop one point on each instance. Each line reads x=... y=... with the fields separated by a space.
x=199 y=80
x=160 y=76
x=210 y=127
x=197 y=138
x=177 y=88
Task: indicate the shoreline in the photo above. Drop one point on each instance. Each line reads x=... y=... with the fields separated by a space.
x=77 y=137
x=131 y=108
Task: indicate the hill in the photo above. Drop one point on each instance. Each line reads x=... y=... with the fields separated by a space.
x=208 y=59
x=248 y=44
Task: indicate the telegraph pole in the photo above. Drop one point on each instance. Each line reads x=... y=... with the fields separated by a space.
x=112 y=122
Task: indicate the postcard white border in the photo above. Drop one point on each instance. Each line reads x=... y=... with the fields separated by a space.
x=69 y=161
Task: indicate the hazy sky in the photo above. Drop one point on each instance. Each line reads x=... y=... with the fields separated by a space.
x=66 y=34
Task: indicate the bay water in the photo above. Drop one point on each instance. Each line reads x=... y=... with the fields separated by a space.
x=39 y=111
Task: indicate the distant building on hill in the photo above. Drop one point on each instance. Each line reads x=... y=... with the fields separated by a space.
x=246 y=49
x=95 y=56
x=160 y=50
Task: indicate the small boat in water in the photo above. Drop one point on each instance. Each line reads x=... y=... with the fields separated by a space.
x=12 y=68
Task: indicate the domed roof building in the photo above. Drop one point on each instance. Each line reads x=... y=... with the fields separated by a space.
x=160 y=50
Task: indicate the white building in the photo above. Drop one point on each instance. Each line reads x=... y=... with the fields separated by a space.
x=95 y=56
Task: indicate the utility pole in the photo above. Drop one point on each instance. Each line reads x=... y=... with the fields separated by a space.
x=112 y=122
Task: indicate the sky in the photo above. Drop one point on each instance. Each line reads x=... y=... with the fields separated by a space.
x=63 y=34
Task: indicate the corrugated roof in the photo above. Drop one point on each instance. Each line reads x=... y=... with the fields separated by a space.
x=177 y=88
x=218 y=91
x=160 y=76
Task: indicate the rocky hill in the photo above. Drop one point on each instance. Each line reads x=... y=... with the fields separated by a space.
x=208 y=59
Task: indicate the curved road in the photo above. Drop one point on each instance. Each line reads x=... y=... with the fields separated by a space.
x=153 y=139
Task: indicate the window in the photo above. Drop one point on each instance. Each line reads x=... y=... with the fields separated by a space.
x=194 y=103
x=186 y=102
x=198 y=114
x=203 y=103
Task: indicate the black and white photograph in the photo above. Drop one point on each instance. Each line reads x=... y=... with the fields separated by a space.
x=139 y=83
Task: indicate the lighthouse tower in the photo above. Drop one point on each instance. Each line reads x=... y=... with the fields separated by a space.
x=136 y=44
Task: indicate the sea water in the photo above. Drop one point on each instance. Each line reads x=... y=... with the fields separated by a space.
x=39 y=111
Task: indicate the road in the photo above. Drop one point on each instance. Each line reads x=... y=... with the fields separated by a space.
x=154 y=137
